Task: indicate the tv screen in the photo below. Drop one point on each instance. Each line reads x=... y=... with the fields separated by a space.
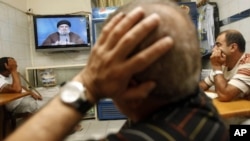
x=62 y=32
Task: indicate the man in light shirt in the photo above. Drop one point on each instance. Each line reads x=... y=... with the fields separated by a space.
x=231 y=70
x=231 y=65
x=10 y=83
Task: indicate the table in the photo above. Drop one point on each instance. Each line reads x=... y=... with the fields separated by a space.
x=8 y=97
x=4 y=99
x=234 y=108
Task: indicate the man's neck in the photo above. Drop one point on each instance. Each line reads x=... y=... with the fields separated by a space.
x=233 y=61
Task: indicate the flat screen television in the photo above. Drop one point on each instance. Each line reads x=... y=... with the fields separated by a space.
x=75 y=32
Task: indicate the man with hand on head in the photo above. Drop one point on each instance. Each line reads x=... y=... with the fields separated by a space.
x=134 y=63
x=230 y=65
x=230 y=76
x=10 y=83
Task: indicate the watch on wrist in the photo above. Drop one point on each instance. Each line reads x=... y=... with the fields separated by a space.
x=216 y=72
x=73 y=94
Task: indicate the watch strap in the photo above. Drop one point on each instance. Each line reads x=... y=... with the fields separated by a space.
x=216 y=72
x=82 y=105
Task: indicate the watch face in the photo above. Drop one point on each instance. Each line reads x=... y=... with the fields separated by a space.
x=70 y=93
x=69 y=96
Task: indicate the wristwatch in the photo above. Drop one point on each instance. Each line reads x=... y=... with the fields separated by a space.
x=73 y=94
x=215 y=72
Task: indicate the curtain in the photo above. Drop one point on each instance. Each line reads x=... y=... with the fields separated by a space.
x=107 y=3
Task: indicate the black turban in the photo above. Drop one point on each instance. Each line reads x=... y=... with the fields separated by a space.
x=63 y=22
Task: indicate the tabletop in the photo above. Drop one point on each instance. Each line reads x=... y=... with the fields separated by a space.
x=7 y=97
x=234 y=108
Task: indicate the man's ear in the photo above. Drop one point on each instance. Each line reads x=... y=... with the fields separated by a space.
x=234 y=47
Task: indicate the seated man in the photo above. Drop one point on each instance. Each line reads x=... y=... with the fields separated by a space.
x=147 y=60
x=230 y=64
x=10 y=83
x=230 y=76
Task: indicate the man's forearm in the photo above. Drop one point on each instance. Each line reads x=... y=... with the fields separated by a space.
x=51 y=123
x=16 y=82
x=220 y=84
x=203 y=85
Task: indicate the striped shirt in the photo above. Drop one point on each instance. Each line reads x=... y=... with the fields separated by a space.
x=239 y=76
x=192 y=119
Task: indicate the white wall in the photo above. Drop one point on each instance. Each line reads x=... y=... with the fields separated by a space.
x=19 y=4
x=58 y=6
x=43 y=7
x=16 y=29
x=228 y=8
x=14 y=32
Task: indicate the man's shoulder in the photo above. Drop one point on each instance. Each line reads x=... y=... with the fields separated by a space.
x=245 y=59
x=54 y=34
x=247 y=55
x=73 y=34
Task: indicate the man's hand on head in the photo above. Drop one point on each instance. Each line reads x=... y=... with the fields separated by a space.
x=218 y=58
x=109 y=69
x=11 y=65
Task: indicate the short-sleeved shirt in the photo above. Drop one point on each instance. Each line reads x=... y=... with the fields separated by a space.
x=239 y=76
x=191 y=119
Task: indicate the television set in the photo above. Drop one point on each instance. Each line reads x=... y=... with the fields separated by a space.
x=79 y=29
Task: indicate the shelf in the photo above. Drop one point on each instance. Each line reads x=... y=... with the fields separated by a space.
x=63 y=73
x=57 y=66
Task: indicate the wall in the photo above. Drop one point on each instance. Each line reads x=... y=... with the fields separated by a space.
x=229 y=8
x=58 y=7
x=43 y=7
x=14 y=22
x=18 y=4
x=126 y=1
x=14 y=32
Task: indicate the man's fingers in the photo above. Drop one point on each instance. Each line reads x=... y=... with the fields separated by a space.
x=132 y=38
x=149 y=55
x=110 y=25
x=116 y=32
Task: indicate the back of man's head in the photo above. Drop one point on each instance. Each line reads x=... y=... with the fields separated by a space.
x=177 y=72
